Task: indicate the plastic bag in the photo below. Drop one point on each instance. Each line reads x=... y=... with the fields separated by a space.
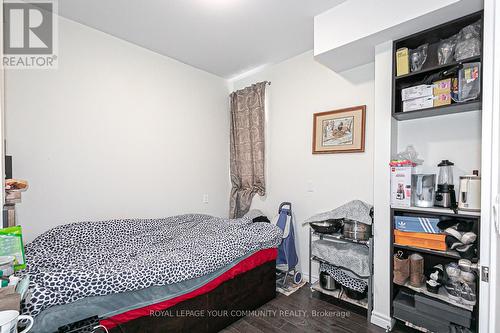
x=11 y=244
x=418 y=57
x=469 y=42
x=446 y=50
x=409 y=154
x=469 y=82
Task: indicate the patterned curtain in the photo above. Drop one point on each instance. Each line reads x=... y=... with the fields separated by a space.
x=247 y=147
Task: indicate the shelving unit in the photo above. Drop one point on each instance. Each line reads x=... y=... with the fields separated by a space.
x=445 y=254
x=435 y=68
x=428 y=73
x=439 y=211
x=431 y=67
x=434 y=257
x=340 y=237
x=336 y=294
x=366 y=303
x=440 y=296
x=439 y=110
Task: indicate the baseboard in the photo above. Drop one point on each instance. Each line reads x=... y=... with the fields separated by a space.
x=314 y=278
x=382 y=321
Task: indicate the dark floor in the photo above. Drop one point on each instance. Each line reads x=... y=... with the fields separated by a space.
x=300 y=312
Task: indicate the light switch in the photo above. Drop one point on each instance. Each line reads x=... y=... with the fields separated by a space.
x=205 y=198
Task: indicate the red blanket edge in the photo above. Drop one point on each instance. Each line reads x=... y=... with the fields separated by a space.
x=247 y=264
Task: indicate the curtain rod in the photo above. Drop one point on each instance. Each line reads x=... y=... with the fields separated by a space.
x=266 y=82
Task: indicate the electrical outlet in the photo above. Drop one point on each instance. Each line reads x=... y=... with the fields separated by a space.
x=205 y=198
x=310 y=186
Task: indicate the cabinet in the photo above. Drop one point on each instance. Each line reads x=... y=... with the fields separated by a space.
x=442 y=132
x=431 y=69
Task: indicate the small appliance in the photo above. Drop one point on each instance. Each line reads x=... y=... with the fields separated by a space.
x=423 y=190
x=445 y=194
x=470 y=192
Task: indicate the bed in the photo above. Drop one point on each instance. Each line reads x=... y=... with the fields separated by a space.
x=180 y=274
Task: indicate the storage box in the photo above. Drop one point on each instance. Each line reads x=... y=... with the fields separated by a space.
x=401 y=186
x=404 y=309
x=402 y=61
x=442 y=92
x=418 y=103
x=423 y=90
x=442 y=311
x=417 y=224
x=421 y=240
x=442 y=87
x=442 y=99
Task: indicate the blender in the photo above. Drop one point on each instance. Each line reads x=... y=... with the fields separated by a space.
x=445 y=194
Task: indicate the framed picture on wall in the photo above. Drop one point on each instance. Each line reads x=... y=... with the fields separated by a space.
x=339 y=131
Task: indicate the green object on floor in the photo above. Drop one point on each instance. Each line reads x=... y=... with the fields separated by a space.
x=11 y=244
x=4 y=283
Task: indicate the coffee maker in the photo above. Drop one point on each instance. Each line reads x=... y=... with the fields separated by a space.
x=423 y=187
x=445 y=194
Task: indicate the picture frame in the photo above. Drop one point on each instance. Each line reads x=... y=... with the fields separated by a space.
x=339 y=131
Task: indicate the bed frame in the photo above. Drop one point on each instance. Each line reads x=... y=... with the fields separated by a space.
x=205 y=313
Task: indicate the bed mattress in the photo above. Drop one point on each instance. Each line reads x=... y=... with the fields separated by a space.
x=119 y=308
x=88 y=259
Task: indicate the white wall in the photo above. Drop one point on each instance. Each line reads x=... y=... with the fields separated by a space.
x=383 y=146
x=300 y=87
x=115 y=132
x=455 y=137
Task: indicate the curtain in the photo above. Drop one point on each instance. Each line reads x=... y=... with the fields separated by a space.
x=247 y=147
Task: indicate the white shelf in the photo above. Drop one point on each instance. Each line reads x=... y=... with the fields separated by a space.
x=440 y=296
x=335 y=293
x=438 y=210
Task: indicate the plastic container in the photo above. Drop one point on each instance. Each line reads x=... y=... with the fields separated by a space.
x=440 y=311
x=404 y=309
x=420 y=240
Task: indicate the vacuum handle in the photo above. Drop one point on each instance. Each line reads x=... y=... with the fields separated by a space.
x=283 y=204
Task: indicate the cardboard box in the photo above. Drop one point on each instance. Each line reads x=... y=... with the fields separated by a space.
x=418 y=103
x=442 y=99
x=423 y=90
x=421 y=240
x=402 y=61
x=401 y=186
x=442 y=87
x=417 y=224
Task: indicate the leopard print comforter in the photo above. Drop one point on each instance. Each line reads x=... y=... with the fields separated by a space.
x=84 y=259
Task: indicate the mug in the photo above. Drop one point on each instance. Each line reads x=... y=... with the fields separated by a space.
x=9 y=319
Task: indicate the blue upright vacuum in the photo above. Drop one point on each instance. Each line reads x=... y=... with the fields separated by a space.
x=286 y=263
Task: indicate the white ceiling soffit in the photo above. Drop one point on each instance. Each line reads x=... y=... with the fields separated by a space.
x=367 y=23
x=223 y=37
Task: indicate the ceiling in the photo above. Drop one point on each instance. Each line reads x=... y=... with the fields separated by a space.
x=223 y=37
